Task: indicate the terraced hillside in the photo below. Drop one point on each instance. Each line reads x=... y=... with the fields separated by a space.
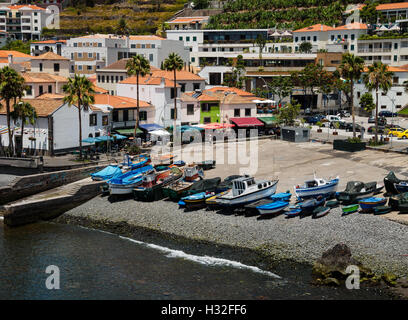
x=285 y=14
x=142 y=17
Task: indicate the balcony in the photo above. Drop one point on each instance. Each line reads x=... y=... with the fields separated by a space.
x=124 y=124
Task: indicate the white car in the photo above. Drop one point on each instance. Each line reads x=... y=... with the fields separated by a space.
x=331 y=118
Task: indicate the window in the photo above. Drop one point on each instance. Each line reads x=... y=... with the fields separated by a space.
x=172 y=113
x=143 y=46
x=192 y=59
x=190 y=109
x=56 y=67
x=398 y=106
x=196 y=86
x=237 y=112
x=172 y=94
x=90 y=55
x=153 y=46
x=143 y=115
x=92 y=120
x=314 y=38
x=247 y=112
x=207 y=119
x=41 y=67
x=41 y=90
x=50 y=89
x=352 y=37
x=181 y=38
x=103 y=79
x=395 y=46
x=183 y=87
x=151 y=57
x=29 y=91
x=383 y=107
x=352 y=47
x=115 y=116
x=187 y=38
x=79 y=54
x=358 y=94
x=89 y=68
x=133 y=46
x=395 y=58
x=399 y=93
x=105 y=120
x=296 y=39
x=72 y=56
x=332 y=38
x=80 y=67
x=99 y=44
x=205 y=107
x=194 y=38
x=395 y=80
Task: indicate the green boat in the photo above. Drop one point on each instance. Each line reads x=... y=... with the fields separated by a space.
x=382 y=210
x=154 y=185
x=350 y=208
x=177 y=190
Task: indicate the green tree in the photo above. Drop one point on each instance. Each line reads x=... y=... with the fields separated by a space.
x=122 y=27
x=26 y=112
x=201 y=4
x=138 y=66
x=367 y=102
x=12 y=87
x=80 y=94
x=289 y=113
x=174 y=63
x=236 y=78
x=161 y=30
x=378 y=78
x=351 y=68
x=305 y=47
x=369 y=13
x=17 y=45
x=261 y=43
x=280 y=86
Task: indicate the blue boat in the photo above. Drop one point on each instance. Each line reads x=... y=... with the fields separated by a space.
x=181 y=204
x=197 y=200
x=125 y=183
x=282 y=196
x=293 y=212
x=368 y=204
x=317 y=187
x=273 y=207
x=107 y=173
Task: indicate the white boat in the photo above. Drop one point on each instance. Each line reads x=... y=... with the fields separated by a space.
x=246 y=190
x=317 y=187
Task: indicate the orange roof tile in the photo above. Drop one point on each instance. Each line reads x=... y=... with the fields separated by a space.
x=393 y=69
x=203 y=97
x=43 y=106
x=239 y=92
x=99 y=90
x=118 y=102
x=150 y=80
x=49 y=41
x=18 y=7
x=42 y=77
x=352 y=26
x=16 y=54
x=146 y=37
x=188 y=19
x=49 y=56
x=182 y=75
x=315 y=28
x=392 y=6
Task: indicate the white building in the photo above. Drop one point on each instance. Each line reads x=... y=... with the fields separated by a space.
x=40 y=47
x=94 y=52
x=56 y=129
x=25 y=22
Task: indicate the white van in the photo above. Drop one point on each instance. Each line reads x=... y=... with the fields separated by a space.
x=331 y=118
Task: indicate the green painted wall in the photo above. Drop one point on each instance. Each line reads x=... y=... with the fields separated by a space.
x=214 y=113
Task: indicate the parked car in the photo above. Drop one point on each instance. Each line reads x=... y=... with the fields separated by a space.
x=358 y=127
x=344 y=114
x=312 y=119
x=381 y=121
x=333 y=118
x=330 y=124
x=381 y=130
x=403 y=134
x=387 y=113
x=393 y=132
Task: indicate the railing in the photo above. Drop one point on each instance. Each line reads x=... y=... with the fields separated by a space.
x=123 y=124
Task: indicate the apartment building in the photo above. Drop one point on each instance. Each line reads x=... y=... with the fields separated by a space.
x=24 y=22
x=188 y=23
x=94 y=52
x=40 y=47
x=40 y=83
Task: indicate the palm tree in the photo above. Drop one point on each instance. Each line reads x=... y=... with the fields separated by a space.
x=80 y=94
x=174 y=63
x=11 y=88
x=377 y=78
x=139 y=66
x=351 y=68
x=26 y=112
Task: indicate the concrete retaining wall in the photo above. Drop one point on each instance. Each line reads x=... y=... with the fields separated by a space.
x=28 y=185
x=25 y=212
x=32 y=162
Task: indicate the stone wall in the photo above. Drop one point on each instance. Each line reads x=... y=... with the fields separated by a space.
x=32 y=184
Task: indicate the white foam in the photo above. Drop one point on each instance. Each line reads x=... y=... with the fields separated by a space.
x=206 y=260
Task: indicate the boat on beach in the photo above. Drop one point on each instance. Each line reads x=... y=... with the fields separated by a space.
x=151 y=188
x=368 y=204
x=281 y=196
x=320 y=212
x=272 y=207
x=309 y=205
x=393 y=185
x=246 y=190
x=349 y=208
x=196 y=200
x=317 y=187
x=192 y=173
x=357 y=190
x=107 y=173
x=124 y=183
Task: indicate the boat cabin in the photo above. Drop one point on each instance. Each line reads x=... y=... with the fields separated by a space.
x=314 y=183
x=241 y=184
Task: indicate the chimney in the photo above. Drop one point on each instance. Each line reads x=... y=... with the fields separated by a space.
x=10 y=59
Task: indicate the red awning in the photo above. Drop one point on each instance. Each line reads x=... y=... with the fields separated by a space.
x=247 y=122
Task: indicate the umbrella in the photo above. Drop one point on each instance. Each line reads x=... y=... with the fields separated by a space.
x=89 y=140
x=103 y=138
x=119 y=136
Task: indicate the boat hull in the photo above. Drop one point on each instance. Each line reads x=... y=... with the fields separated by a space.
x=369 y=205
x=273 y=208
x=247 y=198
x=324 y=191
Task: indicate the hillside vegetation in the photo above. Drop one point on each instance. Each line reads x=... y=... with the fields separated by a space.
x=282 y=14
x=142 y=17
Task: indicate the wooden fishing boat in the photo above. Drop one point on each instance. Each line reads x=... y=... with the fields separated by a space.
x=192 y=173
x=125 y=183
x=206 y=164
x=393 y=185
x=246 y=190
x=317 y=187
x=294 y=211
x=107 y=173
x=368 y=205
x=211 y=202
x=320 y=212
x=282 y=196
x=177 y=190
x=357 y=190
x=309 y=205
x=273 y=207
x=332 y=203
x=151 y=188
x=350 y=208
x=197 y=200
